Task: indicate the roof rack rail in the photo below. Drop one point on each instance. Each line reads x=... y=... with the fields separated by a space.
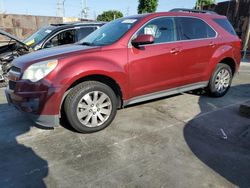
x=78 y=23
x=59 y=24
x=192 y=11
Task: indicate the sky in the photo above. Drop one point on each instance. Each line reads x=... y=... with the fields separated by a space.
x=96 y=7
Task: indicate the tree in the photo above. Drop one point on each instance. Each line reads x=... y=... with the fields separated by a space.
x=201 y=3
x=147 y=6
x=110 y=15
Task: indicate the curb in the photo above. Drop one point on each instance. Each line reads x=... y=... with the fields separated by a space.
x=245 y=64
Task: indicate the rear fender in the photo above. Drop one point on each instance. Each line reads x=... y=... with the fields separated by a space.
x=223 y=52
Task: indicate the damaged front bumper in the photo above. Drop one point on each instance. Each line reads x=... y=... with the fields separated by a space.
x=29 y=103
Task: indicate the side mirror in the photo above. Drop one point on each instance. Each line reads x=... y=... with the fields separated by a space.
x=142 y=40
x=37 y=47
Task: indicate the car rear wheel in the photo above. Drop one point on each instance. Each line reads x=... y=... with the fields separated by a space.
x=90 y=106
x=220 y=81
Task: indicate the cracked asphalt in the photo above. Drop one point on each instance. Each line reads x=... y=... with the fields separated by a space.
x=171 y=142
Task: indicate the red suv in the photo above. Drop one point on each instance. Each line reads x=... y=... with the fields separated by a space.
x=128 y=60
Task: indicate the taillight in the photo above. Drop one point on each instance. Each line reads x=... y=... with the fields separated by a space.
x=238 y=44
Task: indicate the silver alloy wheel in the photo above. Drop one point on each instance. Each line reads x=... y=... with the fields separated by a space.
x=222 y=81
x=94 y=109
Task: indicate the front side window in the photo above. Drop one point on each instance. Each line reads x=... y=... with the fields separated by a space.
x=162 y=29
x=65 y=37
x=194 y=28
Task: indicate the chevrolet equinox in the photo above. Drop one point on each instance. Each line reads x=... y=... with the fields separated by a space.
x=127 y=61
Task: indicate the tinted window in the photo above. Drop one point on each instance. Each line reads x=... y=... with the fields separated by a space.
x=224 y=23
x=83 y=32
x=194 y=28
x=162 y=29
x=65 y=37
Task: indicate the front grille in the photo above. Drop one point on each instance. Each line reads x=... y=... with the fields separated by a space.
x=12 y=85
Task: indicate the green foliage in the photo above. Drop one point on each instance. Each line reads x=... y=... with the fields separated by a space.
x=110 y=15
x=202 y=3
x=147 y=6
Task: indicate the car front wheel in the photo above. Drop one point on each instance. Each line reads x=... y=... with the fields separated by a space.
x=90 y=106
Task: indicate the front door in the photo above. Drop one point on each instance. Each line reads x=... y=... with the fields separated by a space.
x=155 y=67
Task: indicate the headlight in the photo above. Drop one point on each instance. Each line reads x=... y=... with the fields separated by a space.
x=39 y=70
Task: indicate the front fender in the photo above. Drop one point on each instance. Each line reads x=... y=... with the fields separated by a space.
x=68 y=73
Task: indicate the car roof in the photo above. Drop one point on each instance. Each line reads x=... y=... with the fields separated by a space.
x=181 y=12
x=78 y=23
x=74 y=24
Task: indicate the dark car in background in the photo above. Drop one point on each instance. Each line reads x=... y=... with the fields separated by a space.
x=46 y=37
x=61 y=34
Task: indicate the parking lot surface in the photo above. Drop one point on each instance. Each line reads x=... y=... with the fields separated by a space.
x=187 y=140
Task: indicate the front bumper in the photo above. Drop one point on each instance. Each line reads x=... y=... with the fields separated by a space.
x=40 y=106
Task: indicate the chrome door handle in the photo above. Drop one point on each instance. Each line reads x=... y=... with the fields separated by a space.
x=212 y=44
x=175 y=51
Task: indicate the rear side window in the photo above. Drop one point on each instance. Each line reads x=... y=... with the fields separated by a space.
x=194 y=28
x=83 y=32
x=225 y=24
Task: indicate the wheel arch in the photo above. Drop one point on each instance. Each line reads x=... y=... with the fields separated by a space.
x=230 y=62
x=100 y=78
x=224 y=54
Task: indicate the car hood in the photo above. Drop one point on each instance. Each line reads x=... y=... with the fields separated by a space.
x=52 y=53
x=13 y=38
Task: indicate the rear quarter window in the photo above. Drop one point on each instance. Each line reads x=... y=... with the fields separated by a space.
x=226 y=25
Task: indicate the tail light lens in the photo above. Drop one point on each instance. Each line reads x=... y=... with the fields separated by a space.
x=238 y=44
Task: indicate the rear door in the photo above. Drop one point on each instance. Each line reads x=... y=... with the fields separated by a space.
x=155 y=67
x=198 y=46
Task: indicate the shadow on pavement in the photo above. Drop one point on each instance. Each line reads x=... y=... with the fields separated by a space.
x=228 y=154
x=20 y=166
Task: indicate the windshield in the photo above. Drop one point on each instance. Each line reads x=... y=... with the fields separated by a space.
x=38 y=36
x=110 y=32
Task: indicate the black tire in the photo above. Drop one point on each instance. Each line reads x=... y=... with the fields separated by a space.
x=211 y=88
x=76 y=95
